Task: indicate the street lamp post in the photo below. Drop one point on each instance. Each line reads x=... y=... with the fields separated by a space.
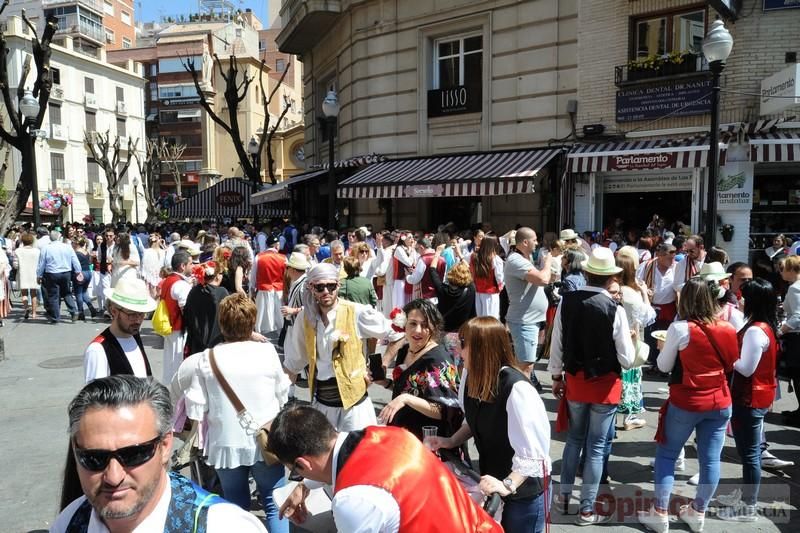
x=717 y=47
x=136 y=199
x=330 y=108
x=252 y=149
x=29 y=106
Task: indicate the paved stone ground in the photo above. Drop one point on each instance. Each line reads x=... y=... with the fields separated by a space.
x=41 y=370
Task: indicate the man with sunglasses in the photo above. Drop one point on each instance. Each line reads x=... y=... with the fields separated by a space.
x=119 y=349
x=328 y=337
x=695 y=257
x=120 y=428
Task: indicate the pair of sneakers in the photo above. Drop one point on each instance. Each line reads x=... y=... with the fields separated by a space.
x=591 y=519
x=734 y=509
x=654 y=521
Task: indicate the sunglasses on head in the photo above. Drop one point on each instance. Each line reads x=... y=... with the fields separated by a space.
x=320 y=287
x=129 y=456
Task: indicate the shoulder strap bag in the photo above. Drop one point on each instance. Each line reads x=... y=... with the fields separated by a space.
x=245 y=419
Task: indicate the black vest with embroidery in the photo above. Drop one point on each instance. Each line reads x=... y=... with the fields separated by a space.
x=587 y=333
x=188 y=509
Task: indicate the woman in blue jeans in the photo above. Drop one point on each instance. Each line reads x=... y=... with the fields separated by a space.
x=753 y=389
x=80 y=288
x=699 y=351
x=508 y=420
x=254 y=373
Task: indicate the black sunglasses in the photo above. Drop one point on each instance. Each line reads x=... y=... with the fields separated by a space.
x=320 y=287
x=129 y=456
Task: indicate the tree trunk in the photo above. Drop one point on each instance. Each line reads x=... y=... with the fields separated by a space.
x=15 y=204
x=115 y=204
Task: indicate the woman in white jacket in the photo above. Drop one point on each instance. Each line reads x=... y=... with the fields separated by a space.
x=254 y=372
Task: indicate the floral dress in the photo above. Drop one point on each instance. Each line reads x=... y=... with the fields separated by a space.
x=432 y=377
x=639 y=315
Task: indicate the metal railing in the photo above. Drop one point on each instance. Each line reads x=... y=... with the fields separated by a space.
x=96 y=5
x=629 y=72
x=73 y=24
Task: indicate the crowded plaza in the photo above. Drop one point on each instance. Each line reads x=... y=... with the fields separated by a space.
x=275 y=338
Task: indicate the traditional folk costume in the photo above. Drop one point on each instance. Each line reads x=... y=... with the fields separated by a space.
x=402 y=263
x=487 y=288
x=421 y=277
x=332 y=348
x=174 y=291
x=108 y=355
x=383 y=280
x=267 y=280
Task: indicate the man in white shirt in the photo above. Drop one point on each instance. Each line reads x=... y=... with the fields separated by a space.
x=384 y=271
x=382 y=478
x=174 y=291
x=121 y=435
x=695 y=257
x=659 y=276
x=119 y=349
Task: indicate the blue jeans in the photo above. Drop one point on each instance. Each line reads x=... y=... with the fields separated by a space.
x=80 y=289
x=710 y=437
x=56 y=286
x=524 y=515
x=747 y=423
x=525 y=338
x=588 y=425
x=236 y=489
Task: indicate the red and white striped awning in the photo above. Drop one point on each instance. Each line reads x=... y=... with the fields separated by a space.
x=775 y=147
x=639 y=155
x=474 y=174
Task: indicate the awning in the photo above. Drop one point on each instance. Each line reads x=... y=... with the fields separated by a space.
x=189 y=113
x=774 y=147
x=638 y=155
x=229 y=198
x=280 y=191
x=473 y=174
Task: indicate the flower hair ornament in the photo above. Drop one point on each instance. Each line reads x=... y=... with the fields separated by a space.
x=204 y=271
x=398 y=318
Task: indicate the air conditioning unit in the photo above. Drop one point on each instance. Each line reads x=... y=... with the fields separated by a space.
x=90 y=100
x=97 y=191
x=58 y=132
x=57 y=92
x=122 y=109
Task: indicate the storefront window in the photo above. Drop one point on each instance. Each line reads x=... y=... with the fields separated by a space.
x=776 y=208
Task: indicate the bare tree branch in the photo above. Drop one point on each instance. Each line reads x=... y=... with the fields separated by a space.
x=148 y=165
x=106 y=154
x=267 y=139
x=171 y=154
x=3 y=6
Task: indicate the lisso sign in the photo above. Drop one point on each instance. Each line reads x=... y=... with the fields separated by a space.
x=454 y=100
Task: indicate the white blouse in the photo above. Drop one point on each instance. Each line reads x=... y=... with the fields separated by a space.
x=528 y=429
x=254 y=372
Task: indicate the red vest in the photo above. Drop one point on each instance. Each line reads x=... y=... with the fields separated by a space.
x=487 y=285
x=270 y=268
x=758 y=390
x=703 y=385
x=426 y=285
x=400 y=275
x=173 y=309
x=430 y=498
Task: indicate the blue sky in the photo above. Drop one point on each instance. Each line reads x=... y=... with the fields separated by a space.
x=153 y=10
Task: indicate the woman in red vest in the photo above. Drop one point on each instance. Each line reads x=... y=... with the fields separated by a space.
x=487 y=271
x=699 y=351
x=753 y=389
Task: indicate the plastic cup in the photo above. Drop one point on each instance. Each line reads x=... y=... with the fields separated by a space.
x=429 y=432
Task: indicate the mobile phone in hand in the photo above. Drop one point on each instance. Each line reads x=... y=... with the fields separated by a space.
x=376 y=367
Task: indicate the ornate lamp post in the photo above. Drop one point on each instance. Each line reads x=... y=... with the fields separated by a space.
x=29 y=106
x=330 y=108
x=136 y=199
x=717 y=47
x=252 y=149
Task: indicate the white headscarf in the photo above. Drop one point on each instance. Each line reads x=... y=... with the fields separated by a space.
x=317 y=273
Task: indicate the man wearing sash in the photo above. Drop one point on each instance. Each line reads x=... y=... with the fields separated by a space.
x=659 y=276
x=327 y=336
x=692 y=263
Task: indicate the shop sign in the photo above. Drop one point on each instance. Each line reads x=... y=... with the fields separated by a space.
x=735 y=186
x=454 y=101
x=677 y=99
x=192 y=177
x=423 y=191
x=181 y=101
x=772 y=5
x=781 y=90
x=230 y=198
x=673 y=181
x=642 y=161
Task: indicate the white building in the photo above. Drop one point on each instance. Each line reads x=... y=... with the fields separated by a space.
x=88 y=95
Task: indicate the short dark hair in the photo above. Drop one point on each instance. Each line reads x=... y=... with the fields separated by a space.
x=121 y=391
x=760 y=302
x=300 y=430
x=181 y=257
x=733 y=267
x=431 y=313
x=597 y=280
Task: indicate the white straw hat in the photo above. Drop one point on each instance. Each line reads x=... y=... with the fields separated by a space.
x=601 y=262
x=567 y=235
x=713 y=271
x=131 y=294
x=298 y=261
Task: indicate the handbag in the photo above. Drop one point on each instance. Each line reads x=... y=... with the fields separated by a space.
x=161 y=323
x=245 y=419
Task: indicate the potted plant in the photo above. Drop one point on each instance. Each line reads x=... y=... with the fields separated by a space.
x=678 y=62
x=643 y=67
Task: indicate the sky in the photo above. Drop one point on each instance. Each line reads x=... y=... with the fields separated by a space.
x=153 y=10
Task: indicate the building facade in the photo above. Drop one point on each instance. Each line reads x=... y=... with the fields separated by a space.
x=442 y=78
x=644 y=117
x=88 y=95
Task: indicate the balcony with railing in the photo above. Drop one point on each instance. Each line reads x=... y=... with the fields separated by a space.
x=656 y=68
x=304 y=22
x=95 y=5
x=76 y=26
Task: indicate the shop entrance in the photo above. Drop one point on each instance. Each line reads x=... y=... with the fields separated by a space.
x=636 y=209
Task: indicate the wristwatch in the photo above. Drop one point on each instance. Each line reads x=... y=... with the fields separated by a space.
x=509 y=484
